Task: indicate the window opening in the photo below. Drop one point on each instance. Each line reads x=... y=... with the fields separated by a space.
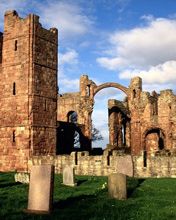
x=16 y=45
x=134 y=93
x=88 y=90
x=145 y=158
x=13 y=137
x=45 y=105
x=72 y=117
x=14 y=88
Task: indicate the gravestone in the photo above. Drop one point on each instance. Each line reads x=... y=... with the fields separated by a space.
x=128 y=168
x=69 y=176
x=117 y=186
x=40 y=196
x=22 y=177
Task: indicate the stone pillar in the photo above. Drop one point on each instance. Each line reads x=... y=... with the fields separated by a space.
x=128 y=134
x=117 y=187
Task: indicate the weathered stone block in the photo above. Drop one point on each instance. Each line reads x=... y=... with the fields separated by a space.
x=40 y=196
x=117 y=187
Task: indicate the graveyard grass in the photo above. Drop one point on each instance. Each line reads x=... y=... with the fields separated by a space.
x=147 y=199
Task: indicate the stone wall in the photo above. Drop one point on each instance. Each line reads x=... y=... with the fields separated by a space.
x=1 y=41
x=28 y=91
x=44 y=100
x=157 y=166
x=87 y=165
x=14 y=89
x=160 y=166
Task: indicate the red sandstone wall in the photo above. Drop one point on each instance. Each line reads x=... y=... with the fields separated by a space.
x=44 y=105
x=1 y=41
x=14 y=105
x=28 y=109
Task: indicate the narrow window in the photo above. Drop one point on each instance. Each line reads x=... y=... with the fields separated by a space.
x=145 y=158
x=88 y=90
x=45 y=105
x=13 y=137
x=14 y=88
x=16 y=45
x=134 y=93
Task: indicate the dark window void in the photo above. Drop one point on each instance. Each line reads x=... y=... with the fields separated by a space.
x=161 y=143
x=16 y=45
x=145 y=158
x=45 y=107
x=14 y=88
x=134 y=93
x=13 y=137
x=72 y=117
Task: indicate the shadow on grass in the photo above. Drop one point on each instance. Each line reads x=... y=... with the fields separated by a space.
x=3 y=185
x=79 y=182
x=71 y=201
x=131 y=190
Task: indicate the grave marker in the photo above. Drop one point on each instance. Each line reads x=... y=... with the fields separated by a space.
x=117 y=186
x=41 y=189
x=69 y=176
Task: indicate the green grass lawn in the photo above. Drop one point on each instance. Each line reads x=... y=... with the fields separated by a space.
x=147 y=199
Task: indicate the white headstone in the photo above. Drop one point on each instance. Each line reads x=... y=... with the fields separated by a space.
x=40 y=197
x=69 y=176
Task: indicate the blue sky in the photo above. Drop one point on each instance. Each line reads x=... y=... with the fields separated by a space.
x=109 y=40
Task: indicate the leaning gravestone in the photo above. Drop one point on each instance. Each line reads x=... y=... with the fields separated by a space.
x=41 y=189
x=69 y=176
x=117 y=186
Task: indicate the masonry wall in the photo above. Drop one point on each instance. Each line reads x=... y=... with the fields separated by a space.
x=28 y=91
x=14 y=89
x=160 y=166
x=1 y=42
x=149 y=113
x=87 y=165
x=68 y=102
x=44 y=94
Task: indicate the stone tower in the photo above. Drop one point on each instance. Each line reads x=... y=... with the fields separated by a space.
x=28 y=90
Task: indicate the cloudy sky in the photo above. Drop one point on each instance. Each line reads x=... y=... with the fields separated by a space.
x=109 y=40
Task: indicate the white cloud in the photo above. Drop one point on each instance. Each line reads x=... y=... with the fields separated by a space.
x=67 y=63
x=112 y=63
x=70 y=57
x=162 y=73
x=68 y=84
x=18 y=5
x=148 y=51
x=69 y=18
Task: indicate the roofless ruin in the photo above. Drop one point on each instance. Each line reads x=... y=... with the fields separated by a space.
x=36 y=125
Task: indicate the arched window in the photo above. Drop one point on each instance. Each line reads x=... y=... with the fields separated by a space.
x=72 y=117
x=154 y=141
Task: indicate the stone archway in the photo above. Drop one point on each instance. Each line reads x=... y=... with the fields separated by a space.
x=98 y=88
x=153 y=141
x=111 y=84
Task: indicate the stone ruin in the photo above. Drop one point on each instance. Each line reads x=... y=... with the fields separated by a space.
x=38 y=125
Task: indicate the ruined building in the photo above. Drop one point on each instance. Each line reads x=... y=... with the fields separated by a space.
x=38 y=125
x=28 y=90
